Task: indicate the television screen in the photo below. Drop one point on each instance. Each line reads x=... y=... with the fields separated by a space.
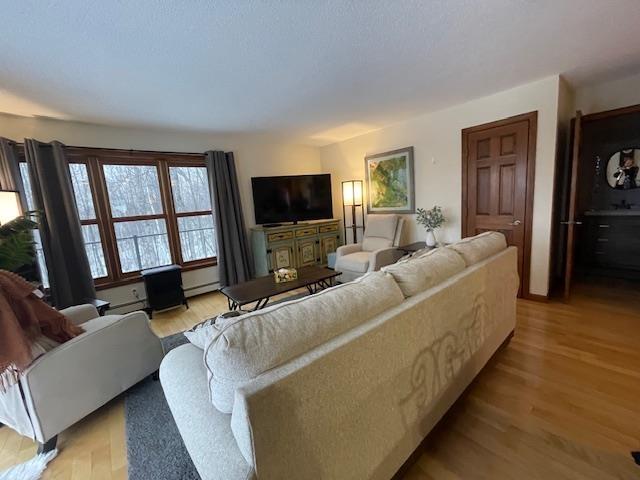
x=292 y=198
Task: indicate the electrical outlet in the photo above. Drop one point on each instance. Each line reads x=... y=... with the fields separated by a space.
x=134 y=292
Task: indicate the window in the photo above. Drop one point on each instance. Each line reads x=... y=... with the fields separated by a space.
x=138 y=210
x=139 y=221
x=88 y=219
x=192 y=204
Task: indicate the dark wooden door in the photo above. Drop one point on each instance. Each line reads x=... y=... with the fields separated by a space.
x=570 y=221
x=497 y=192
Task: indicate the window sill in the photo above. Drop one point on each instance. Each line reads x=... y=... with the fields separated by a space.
x=198 y=264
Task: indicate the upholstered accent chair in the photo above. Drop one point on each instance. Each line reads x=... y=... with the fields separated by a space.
x=377 y=249
x=72 y=380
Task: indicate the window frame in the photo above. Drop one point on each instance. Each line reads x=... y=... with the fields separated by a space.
x=95 y=159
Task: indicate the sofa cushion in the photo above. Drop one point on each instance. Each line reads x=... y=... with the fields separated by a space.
x=202 y=333
x=371 y=244
x=382 y=225
x=419 y=274
x=380 y=232
x=476 y=249
x=354 y=262
x=262 y=340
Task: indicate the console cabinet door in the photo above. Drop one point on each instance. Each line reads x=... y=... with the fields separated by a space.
x=307 y=254
x=281 y=255
x=328 y=244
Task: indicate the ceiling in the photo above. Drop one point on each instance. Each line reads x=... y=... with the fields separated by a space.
x=314 y=70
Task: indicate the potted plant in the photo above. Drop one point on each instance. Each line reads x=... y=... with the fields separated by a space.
x=16 y=242
x=430 y=220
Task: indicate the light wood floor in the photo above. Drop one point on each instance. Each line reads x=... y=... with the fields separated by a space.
x=562 y=401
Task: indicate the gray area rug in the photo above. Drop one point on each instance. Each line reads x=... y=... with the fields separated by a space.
x=155 y=450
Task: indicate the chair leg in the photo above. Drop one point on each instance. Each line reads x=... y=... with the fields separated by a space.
x=47 y=446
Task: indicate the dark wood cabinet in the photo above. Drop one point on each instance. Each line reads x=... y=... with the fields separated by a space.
x=610 y=244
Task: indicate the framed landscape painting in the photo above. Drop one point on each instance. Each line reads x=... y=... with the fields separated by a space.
x=390 y=182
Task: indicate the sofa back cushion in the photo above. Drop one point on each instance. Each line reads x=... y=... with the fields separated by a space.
x=428 y=270
x=262 y=340
x=380 y=232
x=476 y=249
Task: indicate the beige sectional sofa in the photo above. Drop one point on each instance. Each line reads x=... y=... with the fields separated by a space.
x=344 y=384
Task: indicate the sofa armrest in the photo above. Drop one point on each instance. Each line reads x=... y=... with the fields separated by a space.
x=383 y=257
x=80 y=314
x=74 y=379
x=348 y=249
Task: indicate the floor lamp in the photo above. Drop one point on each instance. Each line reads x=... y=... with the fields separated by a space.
x=352 y=197
x=9 y=206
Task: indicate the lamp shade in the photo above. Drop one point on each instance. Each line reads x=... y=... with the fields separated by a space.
x=9 y=206
x=352 y=192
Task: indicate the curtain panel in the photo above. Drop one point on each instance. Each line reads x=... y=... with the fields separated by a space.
x=70 y=277
x=234 y=255
x=10 y=177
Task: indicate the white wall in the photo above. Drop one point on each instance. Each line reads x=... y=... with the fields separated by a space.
x=602 y=96
x=255 y=156
x=436 y=138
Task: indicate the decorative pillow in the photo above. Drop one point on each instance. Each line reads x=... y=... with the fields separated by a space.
x=475 y=249
x=202 y=333
x=267 y=338
x=428 y=270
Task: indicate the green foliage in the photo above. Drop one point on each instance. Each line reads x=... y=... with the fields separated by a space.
x=389 y=182
x=430 y=219
x=16 y=242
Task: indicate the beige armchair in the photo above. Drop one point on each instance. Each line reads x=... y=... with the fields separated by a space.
x=69 y=382
x=377 y=249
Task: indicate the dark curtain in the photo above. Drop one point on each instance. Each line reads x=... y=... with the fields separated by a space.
x=69 y=273
x=10 y=177
x=234 y=255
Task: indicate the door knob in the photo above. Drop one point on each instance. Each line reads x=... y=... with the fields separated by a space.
x=515 y=223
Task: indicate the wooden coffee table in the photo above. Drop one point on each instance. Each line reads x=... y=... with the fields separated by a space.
x=261 y=289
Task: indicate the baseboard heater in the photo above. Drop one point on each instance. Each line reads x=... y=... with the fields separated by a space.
x=143 y=300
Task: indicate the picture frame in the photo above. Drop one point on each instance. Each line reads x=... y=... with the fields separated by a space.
x=390 y=182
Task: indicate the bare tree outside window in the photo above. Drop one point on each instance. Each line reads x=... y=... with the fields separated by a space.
x=82 y=191
x=134 y=190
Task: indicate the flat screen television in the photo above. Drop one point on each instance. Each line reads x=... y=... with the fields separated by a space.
x=292 y=198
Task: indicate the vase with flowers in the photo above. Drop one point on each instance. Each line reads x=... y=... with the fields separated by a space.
x=430 y=220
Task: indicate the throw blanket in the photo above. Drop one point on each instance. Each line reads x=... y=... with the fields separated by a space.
x=25 y=318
